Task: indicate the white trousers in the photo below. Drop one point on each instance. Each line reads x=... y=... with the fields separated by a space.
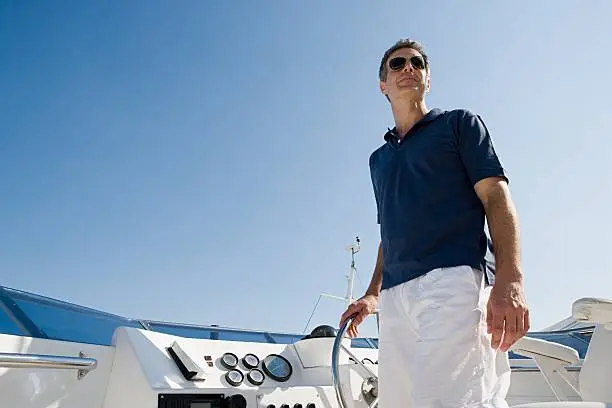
x=434 y=350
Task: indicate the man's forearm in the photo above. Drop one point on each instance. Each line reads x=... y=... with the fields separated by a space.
x=376 y=282
x=503 y=226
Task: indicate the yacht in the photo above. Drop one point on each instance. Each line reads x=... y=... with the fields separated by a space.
x=55 y=354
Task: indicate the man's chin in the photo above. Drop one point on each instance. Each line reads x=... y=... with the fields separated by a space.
x=414 y=92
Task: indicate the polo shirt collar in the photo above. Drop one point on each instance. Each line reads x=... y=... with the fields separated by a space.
x=429 y=116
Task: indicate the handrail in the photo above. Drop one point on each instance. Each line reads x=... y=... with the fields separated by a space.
x=17 y=360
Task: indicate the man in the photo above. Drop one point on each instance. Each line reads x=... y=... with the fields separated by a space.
x=445 y=325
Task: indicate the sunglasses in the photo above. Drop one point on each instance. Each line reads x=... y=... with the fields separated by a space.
x=398 y=63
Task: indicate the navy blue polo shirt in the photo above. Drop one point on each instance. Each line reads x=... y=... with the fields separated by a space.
x=429 y=214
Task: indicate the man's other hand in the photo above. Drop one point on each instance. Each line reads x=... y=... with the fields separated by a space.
x=507 y=314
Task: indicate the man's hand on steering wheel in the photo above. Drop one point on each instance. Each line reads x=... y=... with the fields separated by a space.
x=360 y=309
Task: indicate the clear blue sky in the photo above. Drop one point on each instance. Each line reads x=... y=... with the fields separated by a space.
x=207 y=162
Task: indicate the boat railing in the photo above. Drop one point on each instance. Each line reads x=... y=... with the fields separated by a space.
x=82 y=364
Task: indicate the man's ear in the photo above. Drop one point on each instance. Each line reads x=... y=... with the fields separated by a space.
x=383 y=88
x=427 y=81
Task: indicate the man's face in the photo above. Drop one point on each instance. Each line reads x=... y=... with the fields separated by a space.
x=406 y=75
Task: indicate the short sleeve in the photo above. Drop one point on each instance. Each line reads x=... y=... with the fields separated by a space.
x=375 y=189
x=476 y=147
x=377 y=205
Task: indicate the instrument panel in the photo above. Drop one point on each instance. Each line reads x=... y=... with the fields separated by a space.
x=254 y=370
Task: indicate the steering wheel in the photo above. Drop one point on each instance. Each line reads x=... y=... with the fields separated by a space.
x=372 y=380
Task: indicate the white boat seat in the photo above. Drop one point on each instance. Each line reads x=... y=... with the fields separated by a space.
x=596 y=371
x=593 y=310
x=552 y=359
x=533 y=348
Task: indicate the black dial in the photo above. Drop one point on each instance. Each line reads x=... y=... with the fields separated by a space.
x=229 y=360
x=250 y=361
x=277 y=367
x=234 y=377
x=255 y=377
x=236 y=401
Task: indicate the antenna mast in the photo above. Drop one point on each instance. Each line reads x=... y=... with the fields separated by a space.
x=348 y=299
x=354 y=248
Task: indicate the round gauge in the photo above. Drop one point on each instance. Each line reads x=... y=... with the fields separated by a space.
x=255 y=377
x=229 y=360
x=250 y=361
x=277 y=367
x=234 y=377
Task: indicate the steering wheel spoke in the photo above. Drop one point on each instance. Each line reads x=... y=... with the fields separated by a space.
x=360 y=363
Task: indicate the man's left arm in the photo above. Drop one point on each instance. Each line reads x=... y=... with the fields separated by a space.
x=507 y=313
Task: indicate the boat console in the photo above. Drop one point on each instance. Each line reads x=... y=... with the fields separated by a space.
x=165 y=371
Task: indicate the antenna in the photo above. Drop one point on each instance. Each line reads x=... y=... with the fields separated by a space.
x=353 y=249
x=348 y=299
